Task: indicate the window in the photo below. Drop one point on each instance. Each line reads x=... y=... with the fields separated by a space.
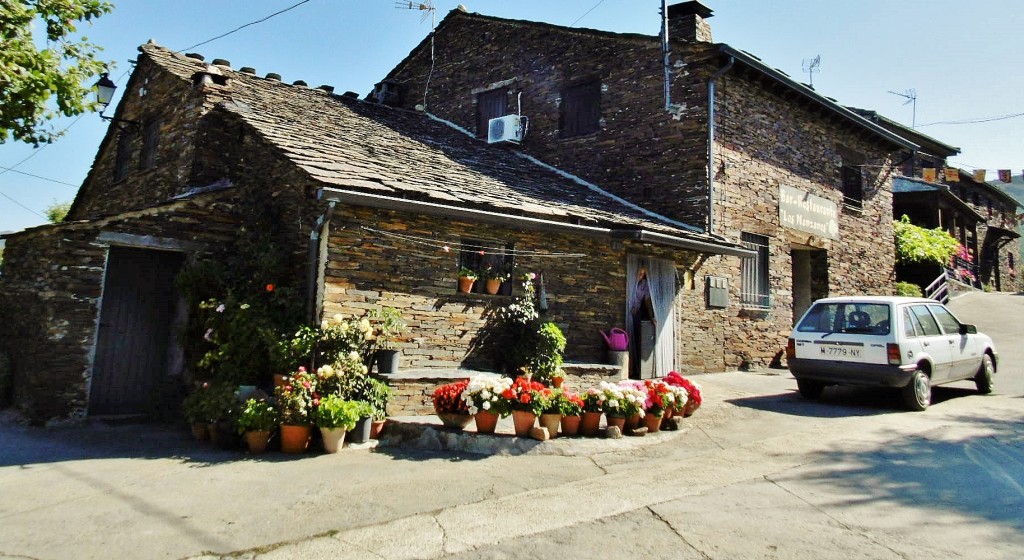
x=485 y=257
x=949 y=323
x=581 y=109
x=927 y=322
x=851 y=179
x=123 y=156
x=754 y=272
x=911 y=326
x=150 y=141
x=490 y=105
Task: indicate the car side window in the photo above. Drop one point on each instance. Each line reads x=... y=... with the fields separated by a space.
x=946 y=319
x=928 y=325
x=911 y=326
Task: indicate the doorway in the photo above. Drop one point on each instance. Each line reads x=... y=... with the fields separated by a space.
x=810 y=278
x=650 y=316
x=136 y=341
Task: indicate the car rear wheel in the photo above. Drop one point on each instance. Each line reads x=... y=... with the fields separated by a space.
x=985 y=374
x=810 y=389
x=917 y=394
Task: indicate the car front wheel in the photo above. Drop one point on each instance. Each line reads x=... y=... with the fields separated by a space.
x=810 y=389
x=986 y=372
x=918 y=393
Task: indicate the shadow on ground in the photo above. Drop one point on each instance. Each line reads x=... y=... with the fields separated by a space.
x=839 y=402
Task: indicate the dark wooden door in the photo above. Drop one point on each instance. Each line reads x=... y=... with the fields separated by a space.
x=135 y=331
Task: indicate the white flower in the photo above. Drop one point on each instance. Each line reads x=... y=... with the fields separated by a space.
x=354 y=356
x=220 y=308
x=325 y=324
x=486 y=405
x=631 y=398
x=472 y=410
x=343 y=328
x=485 y=394
x=364 y=325
x=613 y=403
x=325 y=370
x=338 y=318
x=364 y=369
x=209 y=335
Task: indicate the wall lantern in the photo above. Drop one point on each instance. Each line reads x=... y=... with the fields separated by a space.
x=105 y=89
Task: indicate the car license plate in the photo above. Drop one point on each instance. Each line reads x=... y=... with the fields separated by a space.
x=840 y=352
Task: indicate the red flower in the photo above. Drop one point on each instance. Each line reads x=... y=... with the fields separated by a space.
x=525 y=399
x=270 y=287
x=508 y=394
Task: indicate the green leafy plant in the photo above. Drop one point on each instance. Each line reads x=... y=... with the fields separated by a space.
x=211 y=403
x=388 y=325
x=908 y=289
x=336 y=412
x=465 y=272
x=297 y=398
x=257 y=416
x=918 y=245
x=569 y=403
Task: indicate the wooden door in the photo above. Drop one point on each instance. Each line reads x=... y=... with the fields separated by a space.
x=135 y=332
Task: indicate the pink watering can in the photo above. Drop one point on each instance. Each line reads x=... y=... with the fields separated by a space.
x=617 y=339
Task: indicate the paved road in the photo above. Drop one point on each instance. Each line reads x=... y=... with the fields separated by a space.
x=761 y=473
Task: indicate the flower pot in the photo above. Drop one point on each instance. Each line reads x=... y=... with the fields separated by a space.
x=199 y=431
x=376 y=427
x=388 y=361
x=257 y=441
x=690 y=408
x=653 y=422
x=226 y=435
x=466 y=284
x=551 y=421
x=571 y=425
x=334 y=438
x=454 y=419
x=294 y=439
x=523 y=421
x=617 y=421
x=590 y=424
x=556 y=382
x=492 y=286
x=211 y=430
x=361 y=433
x=486 y=422
x=632 y=422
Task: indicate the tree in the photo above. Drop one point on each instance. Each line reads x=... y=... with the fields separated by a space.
x=57 y=211
x=31 y=76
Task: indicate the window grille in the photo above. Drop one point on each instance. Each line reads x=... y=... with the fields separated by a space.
x=754 y=272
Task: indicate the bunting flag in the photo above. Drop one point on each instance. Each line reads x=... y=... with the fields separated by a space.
x=928 y=174
x=952 y=174
x=979 y=175
x=1004 y=175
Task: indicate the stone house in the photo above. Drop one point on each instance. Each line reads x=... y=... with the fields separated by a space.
x=708 y=135
x=373 y=205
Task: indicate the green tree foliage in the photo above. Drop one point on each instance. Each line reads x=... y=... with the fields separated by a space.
x=918 y=245
x=57 y=211
x=30 y=76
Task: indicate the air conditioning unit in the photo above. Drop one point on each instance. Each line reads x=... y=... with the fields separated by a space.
x=509 y=128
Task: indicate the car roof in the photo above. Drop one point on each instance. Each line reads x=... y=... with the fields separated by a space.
x=888 y=300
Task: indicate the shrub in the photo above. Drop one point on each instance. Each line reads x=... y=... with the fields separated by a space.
x=908 y=289
x=917 y=245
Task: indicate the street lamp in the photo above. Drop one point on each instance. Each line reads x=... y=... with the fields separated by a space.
x=105 y=88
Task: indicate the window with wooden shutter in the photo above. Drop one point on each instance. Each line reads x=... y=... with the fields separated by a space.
x=490 y=105
x=123 y=155
x=581 y=109
x=150 y=141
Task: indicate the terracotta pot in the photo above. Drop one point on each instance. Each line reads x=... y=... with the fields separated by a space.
x=571 y=425
x=653 y=422
x=523 y=420
x=492 y=286
x=466 y=284
x=376 y=426
x=454 y=420
x=633 y=422
x=556 y=382
x=257 y=441
x=294 y=439
x=690 y=408
x=213 y=432
x=618 y=421
x=200 y=431
x=590 y=424
x=280 y=379
x=334 y=438
x=551 y=421
x=668 y=413
x=486 y=422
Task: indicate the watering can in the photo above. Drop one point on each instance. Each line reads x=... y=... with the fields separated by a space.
x=617 y=339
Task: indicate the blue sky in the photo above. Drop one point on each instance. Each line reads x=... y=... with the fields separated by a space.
x=964 y=59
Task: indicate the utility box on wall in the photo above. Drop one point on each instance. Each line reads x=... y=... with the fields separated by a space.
x=717 y=292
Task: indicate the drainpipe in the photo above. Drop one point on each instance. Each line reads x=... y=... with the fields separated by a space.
x=666 y=53
x=711 y=142
x=314 y=259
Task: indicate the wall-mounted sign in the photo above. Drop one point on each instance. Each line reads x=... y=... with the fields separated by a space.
x=805 y=212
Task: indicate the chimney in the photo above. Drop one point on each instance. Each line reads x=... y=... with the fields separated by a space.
x=687 y=21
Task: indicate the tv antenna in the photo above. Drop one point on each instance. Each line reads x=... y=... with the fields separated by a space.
x=911 y=97
x=812 y=67
x=427 y=8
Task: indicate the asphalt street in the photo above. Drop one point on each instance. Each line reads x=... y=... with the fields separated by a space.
x=758 y=473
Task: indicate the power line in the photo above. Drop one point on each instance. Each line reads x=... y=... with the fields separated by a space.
x=585 y=15
x=38 y=176
x=974 y=121
x=241 y=27
x=3 y=194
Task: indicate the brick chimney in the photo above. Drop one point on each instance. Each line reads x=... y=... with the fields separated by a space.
x=687 y=21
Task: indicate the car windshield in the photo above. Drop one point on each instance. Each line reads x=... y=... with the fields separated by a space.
x=847 y=317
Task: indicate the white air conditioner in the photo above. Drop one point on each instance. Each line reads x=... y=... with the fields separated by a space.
x=509 y=128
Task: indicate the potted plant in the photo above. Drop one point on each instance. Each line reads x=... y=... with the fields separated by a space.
x=550 y=411
x=693 y=394
x=484 y=402
x=557 y=377
x=194 y=408
x=364 y=416
x=377 y=394
x=467 y=277
x=221 y=414
x=449 y=406
x=295 y=402
x=660 y=398
x=256 y=420
x=523 y=399
x=593 y=408
x=335 y=417
x=388 y=326
x=570 y=406
x=634 y=395
x=494 y=276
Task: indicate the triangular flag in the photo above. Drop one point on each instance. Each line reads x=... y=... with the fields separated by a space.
x=928 y=174
x=952 y=175
x=979 y=175
x=1004 y=175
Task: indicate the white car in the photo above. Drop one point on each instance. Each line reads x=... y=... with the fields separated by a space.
x=907 y=343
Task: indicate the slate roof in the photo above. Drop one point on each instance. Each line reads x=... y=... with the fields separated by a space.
x=356 y=145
